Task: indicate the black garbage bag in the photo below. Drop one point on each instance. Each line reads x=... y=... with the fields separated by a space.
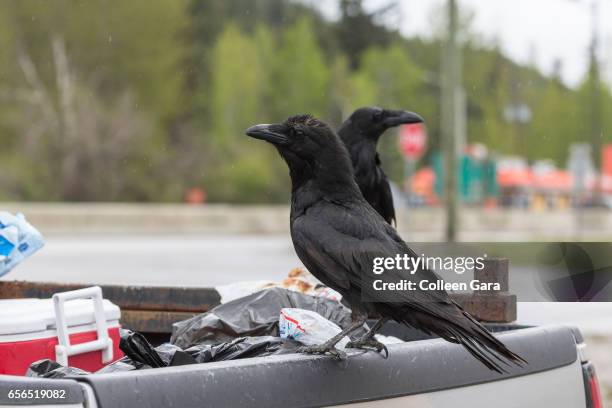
x=170 y=355
x=50 y=369
x=253 y=315
x=140 y=354
x=243 y=347
x=138 y=349
x=123 y=364
x=243 y=328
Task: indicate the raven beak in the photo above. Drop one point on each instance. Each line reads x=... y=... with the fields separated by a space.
x=267 y=133
x=396 y=118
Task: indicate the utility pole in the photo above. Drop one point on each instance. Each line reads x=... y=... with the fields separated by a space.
x=596 y=126
x=451 y=96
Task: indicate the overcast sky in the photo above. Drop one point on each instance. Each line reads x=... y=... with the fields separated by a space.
x=538 y=31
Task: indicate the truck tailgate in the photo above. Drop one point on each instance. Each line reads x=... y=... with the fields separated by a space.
x=412 y=369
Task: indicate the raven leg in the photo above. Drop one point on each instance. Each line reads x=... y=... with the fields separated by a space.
x=329 y=345
x=368 y=341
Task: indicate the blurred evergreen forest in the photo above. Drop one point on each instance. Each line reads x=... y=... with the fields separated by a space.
x=141 y=100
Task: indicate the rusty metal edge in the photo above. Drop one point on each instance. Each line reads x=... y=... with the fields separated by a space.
x=183 y=302
x=161 y=298
x=500 y=308
x=146 y=321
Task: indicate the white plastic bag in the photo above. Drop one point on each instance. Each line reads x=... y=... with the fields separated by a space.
x=387 y=339
x=298 y=280
x=308 y=327
x=18 y=240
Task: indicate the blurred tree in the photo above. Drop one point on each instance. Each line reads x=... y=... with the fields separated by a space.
x=358 y=30
x=208 y=19
x=73 y=145
x=235 y=90
x=555 y=124
x=142 y=55
x=142 y=100
x=106 y=59
x=582 y=107
x=301 y=75
x=241 y=73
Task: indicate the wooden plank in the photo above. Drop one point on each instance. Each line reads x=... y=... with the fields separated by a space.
x=495 y=271
x=162 y=298
x=153 y=309
x=496 y=309
x=149 y=321
x=489 y=308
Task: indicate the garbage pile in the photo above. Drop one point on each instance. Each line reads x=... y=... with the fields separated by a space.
x=297 y=280
x=270 y=322
x=139 y=354
x=253 y=315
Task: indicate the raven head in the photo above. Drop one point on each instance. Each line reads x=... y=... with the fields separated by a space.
x=372 y=121
x=299 y=135
x=309 y=146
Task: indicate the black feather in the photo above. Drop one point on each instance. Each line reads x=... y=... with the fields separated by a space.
x=337 y=235
x=360 y=134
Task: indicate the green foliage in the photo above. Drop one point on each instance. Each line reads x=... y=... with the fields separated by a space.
x=142 y=100
x=235 y=103
x=301 y=77
x=123 y=76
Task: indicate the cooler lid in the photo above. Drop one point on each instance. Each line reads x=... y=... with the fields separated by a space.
x=34 y=315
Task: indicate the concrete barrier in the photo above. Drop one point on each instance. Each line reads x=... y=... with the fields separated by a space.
x=421 y=224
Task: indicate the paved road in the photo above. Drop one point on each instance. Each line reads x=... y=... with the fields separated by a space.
x=189 y=260
x=207 y=260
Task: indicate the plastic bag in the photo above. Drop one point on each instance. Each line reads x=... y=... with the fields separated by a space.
x=308 y=327
x=253 y=315
x=244 y=347
x=123 y=364
x=388 y=339
x=169 y=355
x=50 y=369
x=18 y=240
x=298 y=280
x=138 y=349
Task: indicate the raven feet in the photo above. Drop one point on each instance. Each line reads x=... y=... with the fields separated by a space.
x=323 y=349
x=368 y=344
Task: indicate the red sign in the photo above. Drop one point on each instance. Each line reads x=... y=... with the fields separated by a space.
x=606 y=169
x=412 y=140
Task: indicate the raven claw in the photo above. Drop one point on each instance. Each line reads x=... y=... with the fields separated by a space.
x=368 y=344
x=323 y=349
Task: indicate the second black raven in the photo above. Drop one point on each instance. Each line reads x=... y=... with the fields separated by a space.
x=360 y=134
x=337 y=235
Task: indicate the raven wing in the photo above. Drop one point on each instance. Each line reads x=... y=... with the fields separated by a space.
x=387 y=209
x=338 y=244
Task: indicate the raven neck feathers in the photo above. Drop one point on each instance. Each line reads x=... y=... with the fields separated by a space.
x=329 y=178
x=361 y=148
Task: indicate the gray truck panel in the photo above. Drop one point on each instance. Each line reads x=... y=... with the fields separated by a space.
x=553 y=388
x=303 y=381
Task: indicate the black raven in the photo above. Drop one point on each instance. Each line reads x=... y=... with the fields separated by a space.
x=337 y=235
x=360 y=134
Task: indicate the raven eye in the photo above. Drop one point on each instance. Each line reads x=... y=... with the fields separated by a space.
x=377 y=116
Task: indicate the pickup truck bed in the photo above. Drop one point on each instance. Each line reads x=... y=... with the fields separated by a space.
x=423 y=372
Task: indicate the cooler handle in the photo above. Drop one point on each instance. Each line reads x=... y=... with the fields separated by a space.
x=64 y=349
